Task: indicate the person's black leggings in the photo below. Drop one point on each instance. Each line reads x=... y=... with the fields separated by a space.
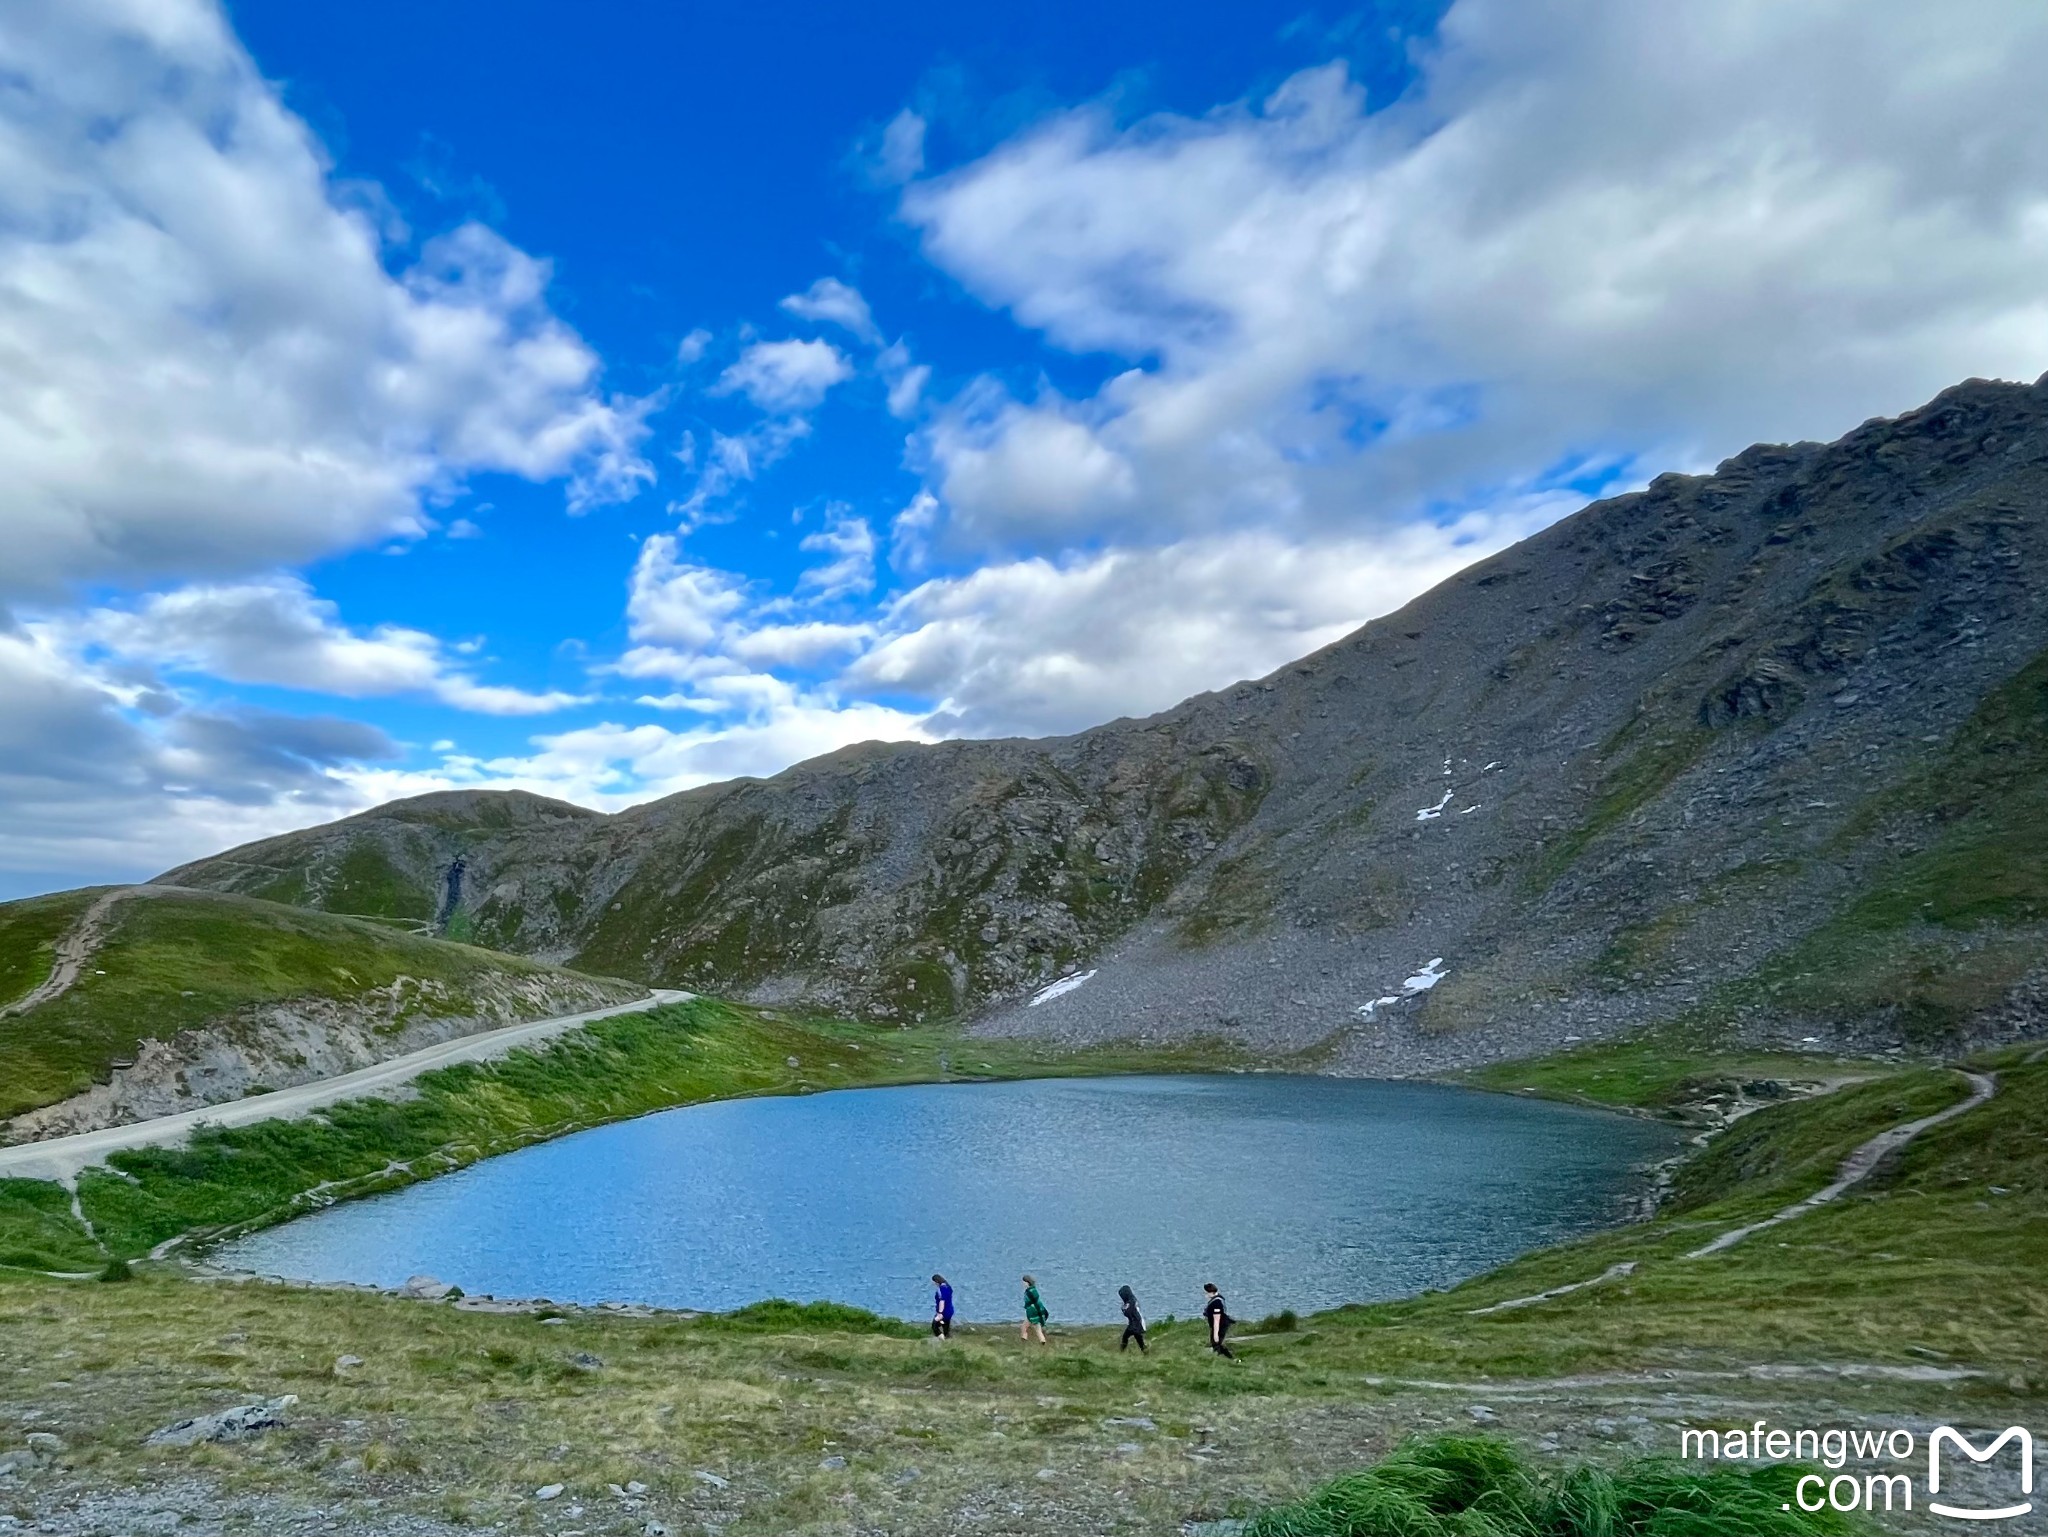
x=1216 y=1341
x=1132 y=1332
x=942 y=1328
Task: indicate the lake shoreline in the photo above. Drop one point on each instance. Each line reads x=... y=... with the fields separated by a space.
x=1297 y=1191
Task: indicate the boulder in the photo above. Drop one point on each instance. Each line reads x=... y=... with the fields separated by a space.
x=236 y=1424
x=425 y=1288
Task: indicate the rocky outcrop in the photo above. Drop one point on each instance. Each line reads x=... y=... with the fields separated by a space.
x=1763 y=751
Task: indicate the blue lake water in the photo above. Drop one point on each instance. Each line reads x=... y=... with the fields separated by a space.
x=1287 y=1191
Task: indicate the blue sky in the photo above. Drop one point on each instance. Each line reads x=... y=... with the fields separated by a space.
x=606 y=400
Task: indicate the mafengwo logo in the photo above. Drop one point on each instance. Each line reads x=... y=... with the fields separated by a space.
x=1864 y=1473
x=1944 y=1435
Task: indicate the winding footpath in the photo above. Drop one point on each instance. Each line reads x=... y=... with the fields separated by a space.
x=61 y=1158
x=1851 y=1172
x=75 y=947
x=1861 y=1164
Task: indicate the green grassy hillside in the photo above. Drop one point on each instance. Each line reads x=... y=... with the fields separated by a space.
x=170 y=960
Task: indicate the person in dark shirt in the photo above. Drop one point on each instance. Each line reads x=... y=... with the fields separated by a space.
x=942 y=1308
x=1219 y=1319
x=1134 y=1322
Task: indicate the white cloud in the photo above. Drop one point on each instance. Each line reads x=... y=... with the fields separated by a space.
x=209 y=368
x=797 y=645
x=1035 y=472
x=692 y=347
x=773 y=725
x=674 y=602
x=697 y=624
x=1593 y=227
x=906 y=379
x=1034 y=646
x=277 y=632
x=851 y=544
x=732 y=461
x=786 y=376
x=830 y=301
x=902 y=150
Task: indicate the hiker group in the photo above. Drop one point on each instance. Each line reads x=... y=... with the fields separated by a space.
x=1214 y=1313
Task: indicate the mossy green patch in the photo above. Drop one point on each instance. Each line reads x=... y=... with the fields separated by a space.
x=1785 y=1151
x=1237 y=901
x=1642 y=766
x=1664 y=1071
x=365 y=883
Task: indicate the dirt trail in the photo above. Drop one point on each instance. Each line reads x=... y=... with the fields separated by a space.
x=1859 y=1165
x=74 y=948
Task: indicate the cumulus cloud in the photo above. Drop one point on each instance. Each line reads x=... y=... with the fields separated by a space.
x=797 y=645
x=1593 y=229
x=278 y=632
x=671 y=601
x=210 y=367
x=851 y=569
x=699 y=624
x=786 y=376
x=835 y=303
x=1038 y=473
x=1034 y=646
x=620 y=765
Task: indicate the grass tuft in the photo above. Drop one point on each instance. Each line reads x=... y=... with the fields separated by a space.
x=1481 y=1486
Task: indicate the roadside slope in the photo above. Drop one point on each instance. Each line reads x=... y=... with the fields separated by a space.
x=61 y=1158
x=155 y=1000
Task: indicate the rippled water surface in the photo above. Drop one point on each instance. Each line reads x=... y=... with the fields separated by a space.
x=1287 y=1191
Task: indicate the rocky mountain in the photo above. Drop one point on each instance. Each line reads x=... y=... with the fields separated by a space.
x=1763 y=751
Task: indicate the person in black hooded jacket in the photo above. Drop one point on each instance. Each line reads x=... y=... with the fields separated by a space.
x=1134 y=1322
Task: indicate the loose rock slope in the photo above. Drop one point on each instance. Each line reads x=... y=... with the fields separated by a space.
x=1763 y=752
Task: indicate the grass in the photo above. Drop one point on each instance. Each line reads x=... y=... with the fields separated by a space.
x=234 y=1178
x=172 y=962
x=37 y=1230
x=29 y=931
x=1664 y=1072
x=1482 y=1486
x=1938 y=1258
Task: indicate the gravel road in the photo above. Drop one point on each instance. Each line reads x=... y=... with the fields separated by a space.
x=60 y=1158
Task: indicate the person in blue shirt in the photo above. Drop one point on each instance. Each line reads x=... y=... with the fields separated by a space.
x=942 y=1308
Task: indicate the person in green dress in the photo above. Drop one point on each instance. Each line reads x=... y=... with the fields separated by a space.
x=1035 y=1313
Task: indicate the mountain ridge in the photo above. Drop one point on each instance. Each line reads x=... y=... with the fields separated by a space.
x=1683 y=732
